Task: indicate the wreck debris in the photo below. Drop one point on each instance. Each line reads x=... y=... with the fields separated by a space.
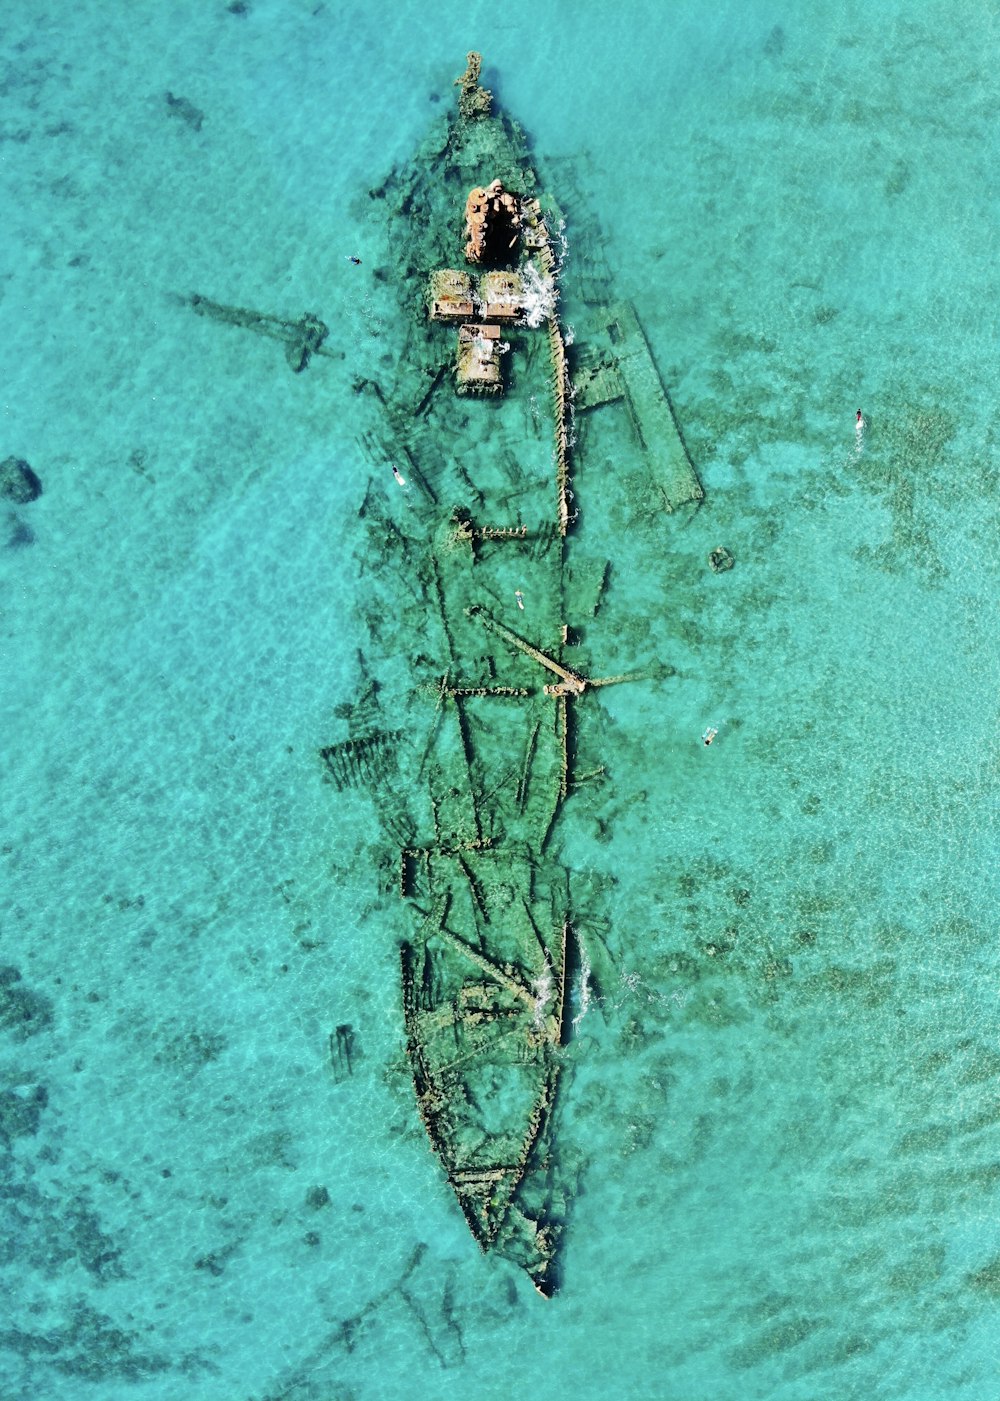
x=651 y=412
x=516 y=1020
x=529 y=754
x=473 y=101
x=342 y=1050
x=560 y=393
x=596 y=380
x=357 y=763
x=562 y=729
x=467 y=530
x=477 y=364
x=302 y=338
x=450 y=296
x=501 y=296
x=492 y=224
x=576 y=684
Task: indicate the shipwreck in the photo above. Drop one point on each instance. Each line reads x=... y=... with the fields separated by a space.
x=487 y=574
x=487 y=966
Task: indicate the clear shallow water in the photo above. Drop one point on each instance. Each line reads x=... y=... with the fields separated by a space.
x=783 y=1126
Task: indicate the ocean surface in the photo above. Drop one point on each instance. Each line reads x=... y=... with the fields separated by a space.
x=782 y=1124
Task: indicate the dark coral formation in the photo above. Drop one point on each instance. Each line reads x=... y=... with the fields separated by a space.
x=185 y=111
x=721 y=559
x=18 y=482
x=20 y=1112
x=22 y=1011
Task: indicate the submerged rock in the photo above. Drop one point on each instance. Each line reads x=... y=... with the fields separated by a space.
x=20 y=1113
x=721 y=559
x=19 y=533
x=18 y=482
x=185 y=110
x=22 y=1011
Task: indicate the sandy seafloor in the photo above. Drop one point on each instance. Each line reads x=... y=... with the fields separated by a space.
x=784 y=1116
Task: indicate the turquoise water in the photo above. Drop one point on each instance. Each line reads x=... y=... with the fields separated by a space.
x=782 y=1123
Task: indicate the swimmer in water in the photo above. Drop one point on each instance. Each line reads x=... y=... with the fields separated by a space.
x=709 y=735
x=520 y=599
x=396 y=473
x=352 y=259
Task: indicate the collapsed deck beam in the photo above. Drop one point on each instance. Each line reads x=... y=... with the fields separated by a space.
x=302 y=338
x=573 y=683
x=492 y=970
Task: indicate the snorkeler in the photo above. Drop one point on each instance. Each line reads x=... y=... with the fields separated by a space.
x=397 y=474
x=520 y=599
x=709 y=735
x=352 y=259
